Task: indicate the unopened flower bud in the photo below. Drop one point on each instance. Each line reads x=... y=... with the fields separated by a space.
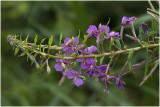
x=99 y=27
x=48 y=69
x=63 y=65
x=62 y=80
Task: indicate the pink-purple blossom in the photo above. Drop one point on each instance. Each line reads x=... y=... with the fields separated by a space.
x=127 y=21
x=113 y=34
x=74 y=74
x=71 y=46
x=144 y=27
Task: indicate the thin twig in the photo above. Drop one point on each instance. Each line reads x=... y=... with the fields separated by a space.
x=123 y=67
x=150 y=73
x=152 y=11
x=136 y=66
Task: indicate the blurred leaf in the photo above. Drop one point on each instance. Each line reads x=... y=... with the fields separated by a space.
x=50 y=42
x=111 y=44
x=85 y=39
x=48 y=69
x=130 y=56
x=22 y=54
x=118 y=43
x=16 y=51
x=41 y=43
x=35 y=39
x=42 y=66
x=101 y=59
x=60 y=40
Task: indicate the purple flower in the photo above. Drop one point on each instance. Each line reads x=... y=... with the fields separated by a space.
x=88 y=51
x=102 y=73
x=97 y=32
x=102 y=77
x=144 y=27
x=73 y=74
x=71 y=46
x=90 y=67
x=118 y=81
x=113 y=34
x=60 y=64
x=127 y=21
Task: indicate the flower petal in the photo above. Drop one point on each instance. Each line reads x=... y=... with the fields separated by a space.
x=92 y=27
x=58 y=67
x=80 y=60
x=66 y=40
x=76 y=40
x=70 y=75
x=103 y=28
x=79 y=82
x=90 y=61
x=84 y=66
x=93 y=48
x=66 y=48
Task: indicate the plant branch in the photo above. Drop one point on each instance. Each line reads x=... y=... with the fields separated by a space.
x=150 y=10
x=92 y=56
x=153 y=69
x=86 y=56
x=136 y=66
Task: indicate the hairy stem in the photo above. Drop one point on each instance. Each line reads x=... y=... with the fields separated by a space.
x=80 y=57
x=92 y=56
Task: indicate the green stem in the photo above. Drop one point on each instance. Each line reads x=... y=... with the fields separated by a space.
x=152 y=11
x=93 y=56
x=150 y=4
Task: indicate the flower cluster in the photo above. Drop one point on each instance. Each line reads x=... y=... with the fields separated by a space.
x=88 y=65
x=72 y=52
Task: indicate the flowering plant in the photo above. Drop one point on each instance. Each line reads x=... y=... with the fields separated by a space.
x=90 y=58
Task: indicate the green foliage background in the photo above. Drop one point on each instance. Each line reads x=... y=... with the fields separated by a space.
x=20 y=83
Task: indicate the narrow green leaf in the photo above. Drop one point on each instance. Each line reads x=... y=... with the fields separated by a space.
x=101 y=59
x=37 y=66
x=73 y=55
x=140 y=33
x=131 y=52
x=60 y=40
x=76 y=45
x=144 y=43
x=111 y=44
x=50 y=42
x=108 y=22
x=41 y=43
x=118 y=43
x=130 y=56
x=31 y=57
x=35 y=39
x=27 y=38
x=20 y=40
x=22 y=54
x=130 y=65
x=16 y=51
x=125 y=46
x=25 y=43
x=85 y=39
x=42 y=66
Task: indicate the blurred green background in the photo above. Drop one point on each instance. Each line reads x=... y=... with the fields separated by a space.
x=20 y=83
